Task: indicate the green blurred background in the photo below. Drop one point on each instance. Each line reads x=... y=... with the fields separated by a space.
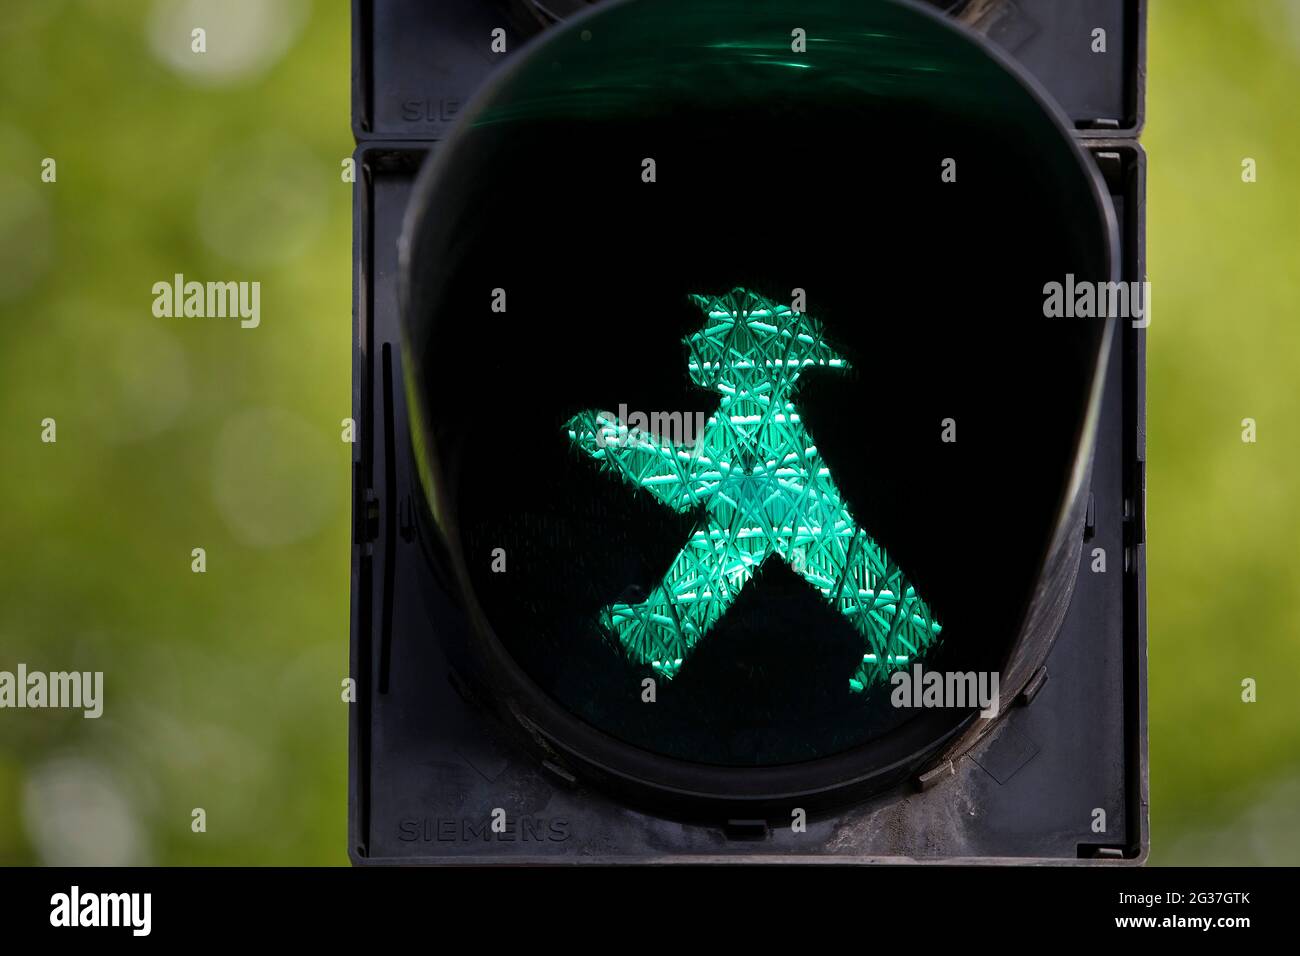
x=223 y=689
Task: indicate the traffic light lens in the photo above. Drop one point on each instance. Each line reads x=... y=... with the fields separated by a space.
x=665 y=221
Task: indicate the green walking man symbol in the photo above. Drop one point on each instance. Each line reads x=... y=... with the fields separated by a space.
x=762 y=485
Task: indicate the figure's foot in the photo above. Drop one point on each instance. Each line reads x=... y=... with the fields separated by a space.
x=652 y=633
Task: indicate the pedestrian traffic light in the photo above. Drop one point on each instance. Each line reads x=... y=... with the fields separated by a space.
x=729 y=491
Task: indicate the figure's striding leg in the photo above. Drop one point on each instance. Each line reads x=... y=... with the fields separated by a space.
x=700 y=585
x=860 y=580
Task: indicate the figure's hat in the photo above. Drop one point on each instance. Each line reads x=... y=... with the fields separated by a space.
x=748 y=339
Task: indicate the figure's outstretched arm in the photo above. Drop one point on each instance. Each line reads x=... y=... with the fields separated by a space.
x=678 y=475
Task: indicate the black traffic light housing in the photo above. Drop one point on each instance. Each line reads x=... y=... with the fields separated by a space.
x=430 y=760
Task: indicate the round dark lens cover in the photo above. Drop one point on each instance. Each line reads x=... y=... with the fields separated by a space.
x=726 y=338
